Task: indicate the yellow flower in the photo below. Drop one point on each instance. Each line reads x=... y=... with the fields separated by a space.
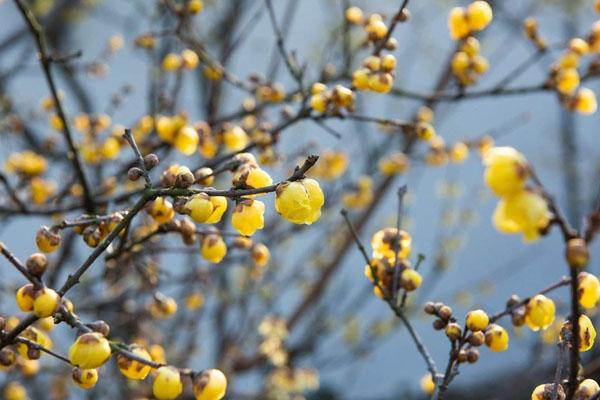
x=200 y=207
x=388 y=241
x=134 y=369
x=585 y=101
x=167 y=385
x=260 y=254
x=524 y=212
x=161 y=210
x=507 y=170
x=479 y=15
x=26 y=163
x=300 y=202
x=354 y=15
x=35 y=335
x=459 y=152
x=25 y=297
x=360 y=79
x=14 y=391
x=586 y=389
x=589 y=289
x=318 y=102
x=396 y=163
x=567 y=80
x=195 y=6
x=496 y=338
x=211 y=384
x=162 y=306
x=331 y=165
x=458 y=23
x=213 y=248
x=90 y=350
x=84 y=378
x=381 y=82
x=194 y=301
x=171 y=62
x=477 y=320
x=219 y=204
x=410 y=279
x=47 y=240
x=186 y=140
x=110 y=148
x=427 y=384
x=253 y=177
x=189 y=58
x=235 y=138
x=540 y=312
x=45 y=303
x=587 y=333
x=213 y=72
x=248 y=216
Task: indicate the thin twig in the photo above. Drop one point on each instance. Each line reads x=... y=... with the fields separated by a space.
x=142 y=165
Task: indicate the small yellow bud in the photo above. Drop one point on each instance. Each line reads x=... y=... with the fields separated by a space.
x=171 y=62
x=133 y=369
x=588 y=289
x=211 y=384
x=477 y=320
x=496 y=338
x=167 y=385
x=84 y=378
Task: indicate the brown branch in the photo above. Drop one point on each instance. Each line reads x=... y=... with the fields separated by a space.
x=140 y=159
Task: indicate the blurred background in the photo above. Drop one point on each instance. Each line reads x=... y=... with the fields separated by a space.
x=356 y=345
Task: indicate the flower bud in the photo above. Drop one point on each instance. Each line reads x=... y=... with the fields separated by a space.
x=577 y=253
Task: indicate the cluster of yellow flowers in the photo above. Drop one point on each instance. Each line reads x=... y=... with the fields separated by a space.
x=391 y=249
x=376 y=74
x=324 y=100
x=29 y=164
x=464 y=21
x=565 y=77
x=477 y=331
x=299 y=202
x=93 y=148
x=521 y=209
x=467 y=63
x=273 y=331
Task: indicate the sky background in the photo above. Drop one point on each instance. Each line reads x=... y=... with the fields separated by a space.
x=486 y=256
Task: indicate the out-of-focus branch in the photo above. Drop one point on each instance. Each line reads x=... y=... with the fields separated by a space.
x=45 y=62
